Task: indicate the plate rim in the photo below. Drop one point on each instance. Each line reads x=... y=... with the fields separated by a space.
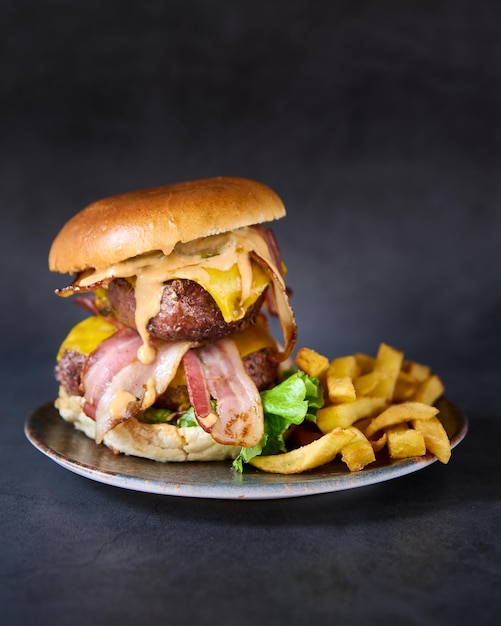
x=239 y=486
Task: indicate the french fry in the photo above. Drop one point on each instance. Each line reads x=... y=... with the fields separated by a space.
x=429 y=390
x=435 y=437
x=358 y=452
x=379 y=444
x=417 y=370
x=387 y=365
x=311 y=362
x=340 y=389
x=344 y=415
x=405 y=387
x=365 y=384
x=365 y=362
x=405 y=442
x=314 y=454
x=398 y=413
x=344 y=366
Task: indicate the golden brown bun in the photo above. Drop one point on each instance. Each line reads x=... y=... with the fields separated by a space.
x=129 y=224
x=158 y=442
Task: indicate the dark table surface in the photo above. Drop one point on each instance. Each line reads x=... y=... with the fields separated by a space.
x=419 y=549
x=379 y=125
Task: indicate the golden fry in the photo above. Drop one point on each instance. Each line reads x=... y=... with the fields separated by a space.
x=379 y=444
x=417 y=370
x=340 y=389
x=367 y=383
x=429 y=390
x=387 y=365
x=358 y=452
x=314 y=454
x=405 y=442
x=344 y=415
x=398 y=413
x=311 y=362
x=344 y=366
x=435 y=437
x=405 y=387
x=365 y=362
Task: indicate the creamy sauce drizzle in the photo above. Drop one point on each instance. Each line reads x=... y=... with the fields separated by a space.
x=153 y=269
x=119 y=403
x=150 y=394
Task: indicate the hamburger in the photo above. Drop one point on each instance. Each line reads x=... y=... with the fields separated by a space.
x=175 y=360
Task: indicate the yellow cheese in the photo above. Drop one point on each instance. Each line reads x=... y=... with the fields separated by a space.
x=254 y=338
x=87 y=335
x=225 y=286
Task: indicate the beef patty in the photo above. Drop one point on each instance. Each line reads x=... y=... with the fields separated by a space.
x=187 y=312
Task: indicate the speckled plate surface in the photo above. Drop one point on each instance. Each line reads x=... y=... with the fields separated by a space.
x=70 y=448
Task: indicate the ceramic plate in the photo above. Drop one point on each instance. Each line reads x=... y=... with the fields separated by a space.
x=70 y=448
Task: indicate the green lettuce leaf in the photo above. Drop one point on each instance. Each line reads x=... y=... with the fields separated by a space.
x=295 y=399
x=152 y=415
x=187 y=419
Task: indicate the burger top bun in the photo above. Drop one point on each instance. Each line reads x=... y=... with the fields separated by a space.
x=123 y=226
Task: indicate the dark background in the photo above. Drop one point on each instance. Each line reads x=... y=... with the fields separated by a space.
x=378 y=123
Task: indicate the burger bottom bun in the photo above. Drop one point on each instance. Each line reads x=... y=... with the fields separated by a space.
x=158 y=442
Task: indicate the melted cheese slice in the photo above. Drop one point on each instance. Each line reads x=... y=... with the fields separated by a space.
x=225 y=286
x=220 y=264
x=85 y=336
x=254 y=338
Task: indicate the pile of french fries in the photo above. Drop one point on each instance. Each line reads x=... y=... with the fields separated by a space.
x=371 y=404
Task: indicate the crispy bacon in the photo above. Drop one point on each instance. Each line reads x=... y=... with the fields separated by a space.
x=271 y=241
x=111 y=356
x=240 y=419
x=283 y=307
x=88 y=303
x=198 y=391
x=117 y=385
x=75 y=287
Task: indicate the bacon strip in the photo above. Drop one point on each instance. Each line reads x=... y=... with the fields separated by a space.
x=88 y=303
x=283 y=306
x=117 y=385
x=240 y=413
x=112 y=355
x=271 y=241
x=198 y=391
x=75 y=287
